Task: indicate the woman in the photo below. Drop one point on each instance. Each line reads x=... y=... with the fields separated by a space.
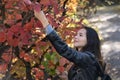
x=87 y=44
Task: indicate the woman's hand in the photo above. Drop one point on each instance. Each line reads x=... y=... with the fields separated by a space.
x=41 y=16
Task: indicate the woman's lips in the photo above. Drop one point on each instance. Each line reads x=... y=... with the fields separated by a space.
x=75 y=41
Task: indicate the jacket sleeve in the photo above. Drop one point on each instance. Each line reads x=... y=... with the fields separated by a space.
x=79 y=58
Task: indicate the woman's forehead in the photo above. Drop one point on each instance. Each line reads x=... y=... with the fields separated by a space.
x=83 y=30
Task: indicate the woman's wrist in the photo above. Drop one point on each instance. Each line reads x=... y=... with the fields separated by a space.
x=48 y=29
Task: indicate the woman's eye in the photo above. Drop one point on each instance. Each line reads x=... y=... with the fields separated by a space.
x=80 y=34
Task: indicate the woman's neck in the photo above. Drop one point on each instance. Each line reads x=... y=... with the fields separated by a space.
x=79 y=49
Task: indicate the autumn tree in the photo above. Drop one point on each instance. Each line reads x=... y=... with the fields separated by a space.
x=25 y=52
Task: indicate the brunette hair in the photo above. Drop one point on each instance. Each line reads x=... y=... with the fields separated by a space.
x=93 y=43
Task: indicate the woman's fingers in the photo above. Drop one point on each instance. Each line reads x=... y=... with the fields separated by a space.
x=37 y=7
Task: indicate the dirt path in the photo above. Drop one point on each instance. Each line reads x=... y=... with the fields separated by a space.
x=108 y=21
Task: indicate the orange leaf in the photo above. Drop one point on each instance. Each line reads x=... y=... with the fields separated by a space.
x=22 y=54
x=27 y=57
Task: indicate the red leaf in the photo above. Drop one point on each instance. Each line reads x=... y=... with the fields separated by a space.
x=60 y=69
x=24 y=37
x=61 y=18
x=8 y=6
x=38 y=24
x=27 y=57
x=18 y=16
x=28 y=26
x=13 y=42
x=45 y=2
x=3 y=68
x=39 y=74
x=2 y=36
x=14 y=29
x=42 y=67
x=55 y=6
x=22 y=54
x=6 y=57
x=56 y=10
x=10 y=22
x=9 y=35
x=52 y=21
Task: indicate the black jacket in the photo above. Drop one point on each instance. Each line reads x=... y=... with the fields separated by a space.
x=82 y=60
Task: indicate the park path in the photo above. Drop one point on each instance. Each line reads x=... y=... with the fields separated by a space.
x=107 y=20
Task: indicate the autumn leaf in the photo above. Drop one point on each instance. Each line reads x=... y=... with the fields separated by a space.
x=38 y=24
x=27 y=57
x=22 y=54
x=8 y=6
x=45 y=2
x=18 y=16
x=52 y=20
x=24 y=37
x=14 y=29
x=60 y=69
x=28 y=26
x=3 y=68
x=6 y=57
x=2 y=36
x=55 y=6
x=42 y=67
x=13 y=42
x=39 y=74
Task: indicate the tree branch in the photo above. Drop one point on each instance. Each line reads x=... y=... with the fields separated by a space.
x=27 y=17
x=2 y=8
x=27 y=64
x=64 y=5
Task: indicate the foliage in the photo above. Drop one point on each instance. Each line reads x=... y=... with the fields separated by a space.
x=25 y=52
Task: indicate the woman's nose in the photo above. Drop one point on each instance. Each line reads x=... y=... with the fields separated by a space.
x=75 y=37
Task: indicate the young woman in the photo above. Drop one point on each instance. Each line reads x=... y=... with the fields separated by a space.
x=86 y=42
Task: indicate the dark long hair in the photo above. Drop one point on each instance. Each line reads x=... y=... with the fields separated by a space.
x=93 y=43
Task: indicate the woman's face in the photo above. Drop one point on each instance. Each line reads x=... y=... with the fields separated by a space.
x=80 y=40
